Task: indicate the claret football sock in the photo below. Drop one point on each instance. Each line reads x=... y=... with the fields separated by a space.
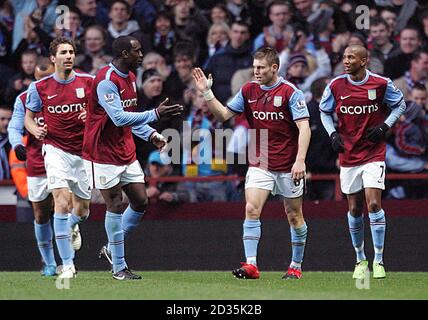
x=356 y=229
x=44 y=236
x=378 y=228
x=251 y=237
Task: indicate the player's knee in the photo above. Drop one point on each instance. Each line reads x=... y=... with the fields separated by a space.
x=252 y=211
x=294 y=218
x=41 y=217
x=61 y=205
x=356 y=211
x=141 y=205
x=374 y=206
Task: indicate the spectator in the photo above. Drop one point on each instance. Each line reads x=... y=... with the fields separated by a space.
x=417 y=74
x=220 y=14
x=380 y=39
x=191 y=25
x=88 y=9
x=322 y=27
x=163 y=38
x=419 y=95
x=217 y=39
x=297 y=70
x=149 y=97
x=405 y=10
x=423 y=21
x=399 y=62
x=407 y=153
x=236 y=55
x=388 y=14
x=178 y=86
x=169 y=192
x=202 y=157
x=321 y=158
x=120 y=23
x=153 y=60
x=94 y=57
x=279 y=32
x=5 y=116
x=239 y=10
x=6 y=26
x=42 y=13
x=21 y=80
x=142 y=11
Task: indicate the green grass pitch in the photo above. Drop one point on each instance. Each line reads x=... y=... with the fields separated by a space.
x=195 y=285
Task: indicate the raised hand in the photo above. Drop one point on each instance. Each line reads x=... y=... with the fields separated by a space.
x=201 y=82
x=169 y=111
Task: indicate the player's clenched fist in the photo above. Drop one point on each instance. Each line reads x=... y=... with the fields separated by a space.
x=159 y=141
x=168 y=111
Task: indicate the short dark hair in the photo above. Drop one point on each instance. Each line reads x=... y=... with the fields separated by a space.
x=120 y=44
x=126 y=4
x=269 y=54
x=418 y=54
x=55 y=43
x=277 y=3
x=375 y=21
x=30 y=51
x=419 y=86
x=183 y=48
x=43 y=63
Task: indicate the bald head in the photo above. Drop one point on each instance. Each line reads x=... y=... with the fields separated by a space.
x=359 y=51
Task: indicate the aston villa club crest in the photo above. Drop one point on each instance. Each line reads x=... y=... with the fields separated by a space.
x=372 y=94
x=80 y=93
x=277 y=101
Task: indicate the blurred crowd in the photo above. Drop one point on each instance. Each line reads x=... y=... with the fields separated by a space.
x=221 y=36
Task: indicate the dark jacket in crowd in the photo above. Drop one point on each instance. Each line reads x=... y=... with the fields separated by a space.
x=224 y=64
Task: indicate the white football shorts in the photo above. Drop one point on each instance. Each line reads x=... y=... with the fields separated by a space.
x=65 y=170
x=106 y=176
x=369 y=175
x=37 y=188
x=276 y=182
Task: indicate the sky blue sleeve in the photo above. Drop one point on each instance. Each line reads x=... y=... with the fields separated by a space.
x=327 y=103
x=393 y=95
x=237 y=103
x=328 y=123
x=143 y=131
x=33 y=102
x=16 y=124
x=394 y=99
x=297 y=105
x=109 y=99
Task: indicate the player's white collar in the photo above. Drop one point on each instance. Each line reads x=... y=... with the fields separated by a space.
x=359 y=83
x=62 y=81
x=123 y=75
x=263 y=87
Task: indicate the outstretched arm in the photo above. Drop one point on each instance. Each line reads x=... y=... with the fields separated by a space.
x=204 y=85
